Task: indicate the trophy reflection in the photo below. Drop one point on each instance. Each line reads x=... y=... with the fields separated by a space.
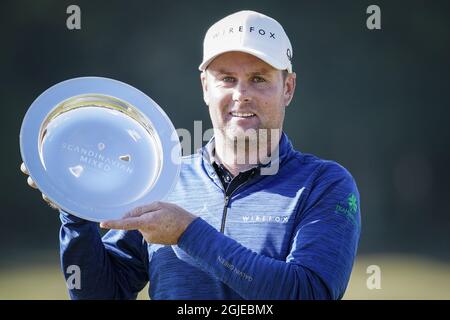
x=100 y=150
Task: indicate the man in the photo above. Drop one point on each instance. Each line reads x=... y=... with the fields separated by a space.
x=279 y=225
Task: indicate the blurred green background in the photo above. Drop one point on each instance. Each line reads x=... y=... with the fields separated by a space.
x=375 y=101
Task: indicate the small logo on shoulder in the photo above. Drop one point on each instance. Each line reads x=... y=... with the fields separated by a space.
x=348 y=207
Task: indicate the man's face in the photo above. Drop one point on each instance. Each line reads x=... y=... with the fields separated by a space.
x=243 y=92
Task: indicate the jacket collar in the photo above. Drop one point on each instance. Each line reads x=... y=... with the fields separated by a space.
x=280 y=154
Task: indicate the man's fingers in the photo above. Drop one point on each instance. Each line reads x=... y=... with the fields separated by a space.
x=31 y=183
x=46 y=199
x=133 y=223
x=139 y=211
x=49 y=202
x=29 y=180
x=24 y=169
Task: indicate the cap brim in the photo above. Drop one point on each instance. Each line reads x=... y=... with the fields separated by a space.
x=269 y=60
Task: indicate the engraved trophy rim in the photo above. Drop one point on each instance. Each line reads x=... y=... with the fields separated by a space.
x=111 y=94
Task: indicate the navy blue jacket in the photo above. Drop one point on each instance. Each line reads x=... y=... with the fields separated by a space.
x=291 y=235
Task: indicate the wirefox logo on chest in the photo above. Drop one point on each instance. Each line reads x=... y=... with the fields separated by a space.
x=261 y=218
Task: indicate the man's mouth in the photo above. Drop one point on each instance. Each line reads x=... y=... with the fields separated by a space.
x=242 y=114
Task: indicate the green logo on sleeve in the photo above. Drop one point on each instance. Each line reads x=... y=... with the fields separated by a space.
x=348 y=208
x=352 y=203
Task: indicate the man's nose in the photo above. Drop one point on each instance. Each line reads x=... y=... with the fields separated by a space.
x=241 y=92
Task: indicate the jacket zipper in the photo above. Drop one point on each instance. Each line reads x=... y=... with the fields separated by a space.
x=224 y=213
x=225 y=206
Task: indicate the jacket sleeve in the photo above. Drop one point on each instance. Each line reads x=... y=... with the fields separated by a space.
x=322 y=248
x=114 y=267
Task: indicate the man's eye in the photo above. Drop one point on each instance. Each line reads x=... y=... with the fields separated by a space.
x=228 y=79
x=258 y=79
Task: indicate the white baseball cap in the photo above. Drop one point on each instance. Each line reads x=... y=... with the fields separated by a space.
x=250 y=32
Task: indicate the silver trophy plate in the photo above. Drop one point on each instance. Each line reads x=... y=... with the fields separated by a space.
x=98 y=147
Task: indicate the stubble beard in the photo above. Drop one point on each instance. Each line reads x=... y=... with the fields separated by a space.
x=247 y=147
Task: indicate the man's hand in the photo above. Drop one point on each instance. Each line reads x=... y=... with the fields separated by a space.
x=158 y=222
x=33 y=185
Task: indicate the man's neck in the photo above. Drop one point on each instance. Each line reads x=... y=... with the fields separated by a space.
x=238 y=157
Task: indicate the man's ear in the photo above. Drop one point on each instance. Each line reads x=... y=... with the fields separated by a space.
x=289 y=87
x=204 y=87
